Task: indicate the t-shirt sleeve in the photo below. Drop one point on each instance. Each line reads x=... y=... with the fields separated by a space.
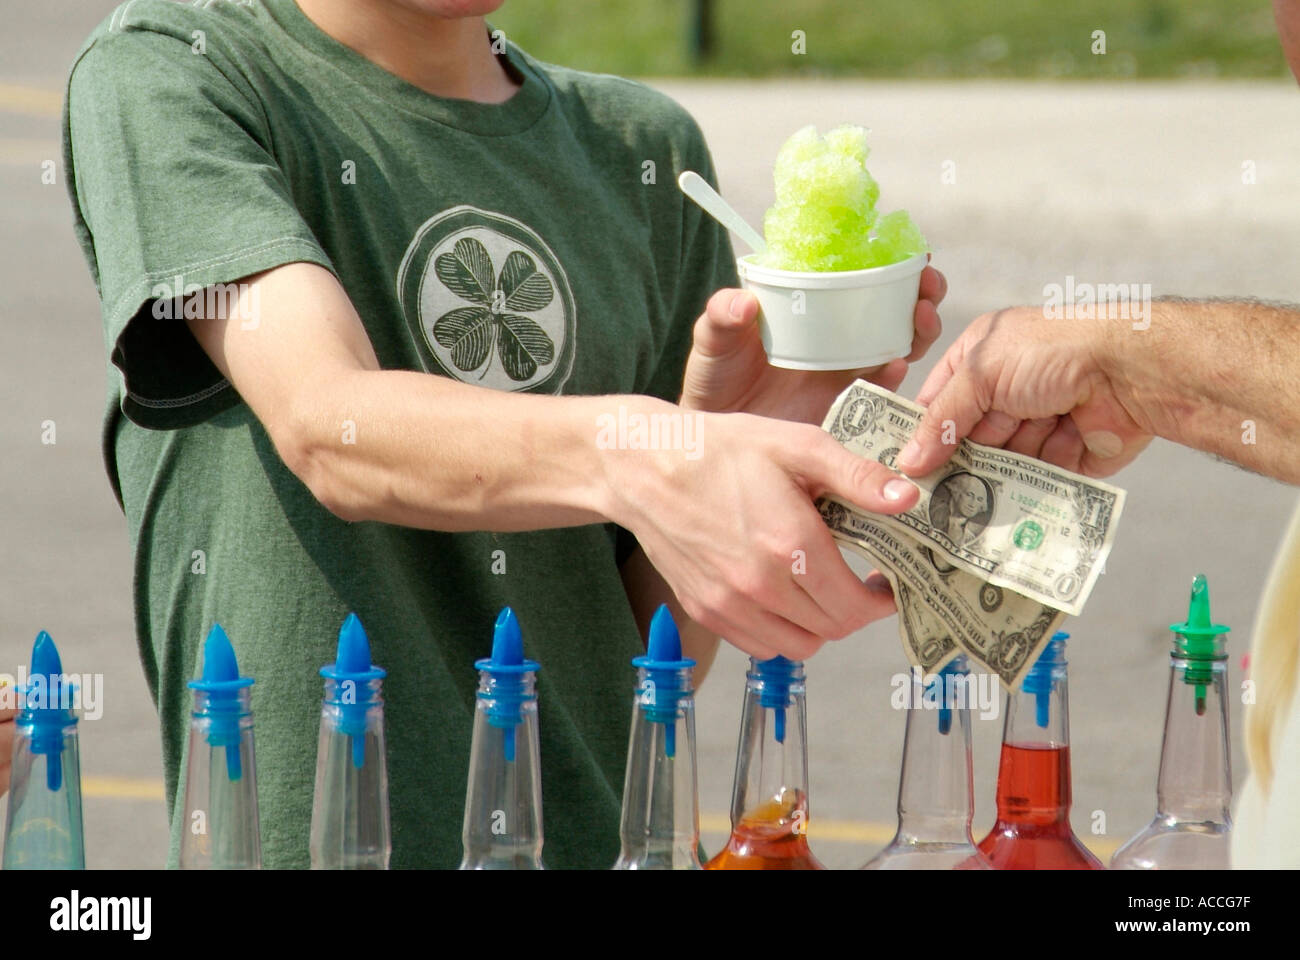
x=707 y=264
x=175 y=189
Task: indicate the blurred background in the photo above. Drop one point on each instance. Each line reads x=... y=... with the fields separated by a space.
x=1025 y=151
x=892 y=39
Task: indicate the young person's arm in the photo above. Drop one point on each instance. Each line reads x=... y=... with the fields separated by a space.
x=423 y=451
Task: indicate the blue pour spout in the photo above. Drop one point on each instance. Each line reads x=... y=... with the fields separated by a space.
x=664 y=643
x=956 y=667
x=776 y=675
x=1040 y=679
x=507 y=640
x=221 y=682
x=508 y=669
x=664 y=685
x=44 y=707
x=352 y=673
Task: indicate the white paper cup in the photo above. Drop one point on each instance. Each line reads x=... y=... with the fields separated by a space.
x=838 y=320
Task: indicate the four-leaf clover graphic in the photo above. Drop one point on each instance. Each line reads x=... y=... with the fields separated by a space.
x=470 y=332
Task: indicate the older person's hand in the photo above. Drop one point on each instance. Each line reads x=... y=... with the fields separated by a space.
x=1039 y=387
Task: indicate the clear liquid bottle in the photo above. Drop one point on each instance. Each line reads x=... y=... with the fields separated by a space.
x=660 y=827
x=1032 y=831
x=43 y=828
x=349 y=815
x=769 y=801
x=1192 y=825
x=503 y=800
x=936 y=789
x=221 y=830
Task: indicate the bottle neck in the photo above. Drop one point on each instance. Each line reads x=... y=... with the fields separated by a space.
x=353 y=711
x=503 y=800
x=221 y=816
x=222 y=723
x=360 y=694
x=1034 y=775
x=771 y=785
x=936 y=792
x=1038 y=712
x=660 y=827
x=43 y=822
x=350 y=827
x=1195 y=774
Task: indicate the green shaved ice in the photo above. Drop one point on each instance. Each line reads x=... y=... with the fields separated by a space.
x=815 y=240
x=808 y=166
x=826 y=208
x=847 y=141
x=897 y=238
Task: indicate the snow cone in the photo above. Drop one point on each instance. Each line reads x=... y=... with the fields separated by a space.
x=838 y=283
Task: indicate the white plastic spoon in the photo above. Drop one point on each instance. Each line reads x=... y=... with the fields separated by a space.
x=695 y=187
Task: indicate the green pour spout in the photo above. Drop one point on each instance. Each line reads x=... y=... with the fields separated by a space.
x=1199 y=641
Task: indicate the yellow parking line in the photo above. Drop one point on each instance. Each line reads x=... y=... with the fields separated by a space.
x=31 y=151
x=122 y=788
x=32 y=100
x=1101 y=847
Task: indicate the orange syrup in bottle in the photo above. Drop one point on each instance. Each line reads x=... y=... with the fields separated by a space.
x=769 y=799
x=774 y=836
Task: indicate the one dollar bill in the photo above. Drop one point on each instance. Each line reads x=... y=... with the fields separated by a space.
x=1008 y=520
x=943 y=610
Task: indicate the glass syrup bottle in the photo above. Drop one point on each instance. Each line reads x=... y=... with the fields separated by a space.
x=1192 y=826
x=349 y=816
x=936 y=789
x=43 y=826
x=660 y=826
x=221 y=829
x=1032 y=831
x=769 y=802
x=503 y=798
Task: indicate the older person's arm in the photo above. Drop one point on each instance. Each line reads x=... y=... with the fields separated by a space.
x=1219 y=376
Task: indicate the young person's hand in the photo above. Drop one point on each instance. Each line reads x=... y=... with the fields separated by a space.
x=734 y=531
x=728 y=372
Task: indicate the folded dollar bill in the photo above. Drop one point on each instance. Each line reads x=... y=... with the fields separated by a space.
x=942 y=610
x=997 y=550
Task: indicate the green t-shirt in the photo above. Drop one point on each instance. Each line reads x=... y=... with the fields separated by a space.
x=540 y=244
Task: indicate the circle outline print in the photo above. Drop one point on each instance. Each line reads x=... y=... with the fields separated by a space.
x=488 y=302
